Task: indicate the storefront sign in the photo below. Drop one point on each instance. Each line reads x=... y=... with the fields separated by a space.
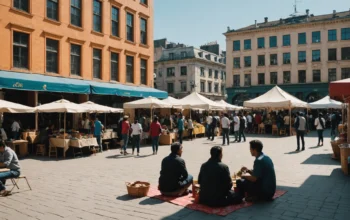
x=18 y=85
x=240 y=91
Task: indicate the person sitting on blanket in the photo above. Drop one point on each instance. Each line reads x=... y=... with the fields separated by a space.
x=174 y=179
x=261 y=183
x=9 y=160
x=215 y=182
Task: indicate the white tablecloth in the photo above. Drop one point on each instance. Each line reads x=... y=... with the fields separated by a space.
x=66 y=143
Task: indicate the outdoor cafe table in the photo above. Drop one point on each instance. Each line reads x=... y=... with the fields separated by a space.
x=22 y=147
x=76 y=143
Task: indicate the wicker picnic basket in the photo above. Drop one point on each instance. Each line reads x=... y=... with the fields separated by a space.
x=138 y=188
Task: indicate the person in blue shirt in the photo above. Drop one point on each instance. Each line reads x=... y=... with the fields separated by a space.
x=260 y=184
x=98 y=132
x=180 y=127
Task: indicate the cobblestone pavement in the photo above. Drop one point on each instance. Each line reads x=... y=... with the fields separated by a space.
x=94 y=187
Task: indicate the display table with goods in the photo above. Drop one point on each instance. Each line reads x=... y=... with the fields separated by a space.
x=109 y=134
x=336 y=144
x=345 y=158
x=167 y=137
x=19 y=146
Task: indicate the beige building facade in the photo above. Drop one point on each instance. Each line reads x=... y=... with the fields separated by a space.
x=301 y=54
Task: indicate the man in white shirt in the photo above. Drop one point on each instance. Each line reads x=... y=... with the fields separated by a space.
x=236 y=126
x=286 y=120
x=15 y=130
x=136 y=129
x=225 y=125
x=87 y=125
x=209 y=121
x=250 y=123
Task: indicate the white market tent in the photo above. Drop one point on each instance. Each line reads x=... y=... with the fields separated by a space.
x=176 y=103
x=11 y=107
x=326 y=103
x=197 y=101
x=229 y=106
x=96 y=108
x=276 y=98
x=149 y=102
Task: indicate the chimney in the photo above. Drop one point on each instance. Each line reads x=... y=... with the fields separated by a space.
x=281 y=21
x=334 y=13
x=266 y=19
x=307 y=12
x=228 y=28
x=256 y=24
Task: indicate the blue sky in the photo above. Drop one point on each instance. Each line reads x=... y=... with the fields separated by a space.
x=196 y=22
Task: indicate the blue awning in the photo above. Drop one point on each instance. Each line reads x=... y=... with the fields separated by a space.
x=39 y=82
x=101 y=88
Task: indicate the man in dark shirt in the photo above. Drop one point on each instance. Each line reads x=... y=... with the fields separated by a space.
x=242 y=123
x=174 y=179
x=215 y=182
x=261 y=183
x=213 y=125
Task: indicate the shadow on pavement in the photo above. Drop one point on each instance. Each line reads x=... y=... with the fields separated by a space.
x=151 y=201
x=293 y=152
x=315 y=147
x=321 y=159
x=126 y=197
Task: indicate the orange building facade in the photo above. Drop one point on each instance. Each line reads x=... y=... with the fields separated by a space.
x=100 y=40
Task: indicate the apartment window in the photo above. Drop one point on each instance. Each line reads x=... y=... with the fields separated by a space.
x=223 y=75
x=130 y=69
x=261 y=60
x=286 y=40
x=237 y=62
x=75 y=58
x=345 y=53
x=183 y=86
x=273 y=59
x=170 y=71
x=302 y=57
x=236 y=80
x=273 y=41
x=248 y=44
x=52 y=9
x=143 y=71
x=286 y=77
x=210 y=73
x=130 y=27
x=21 y=5
x=210 y=87
x=286 y=58
x=273 y=78
x=97 y=57
x=247 y=61
x=316 y=37
x=183 y=70
x=183 y=54
x=115 y=21
x=302 y=76
x=332 y=54
x=223 y=90
x=216 y=88
x=345 y=73
x=20 y=50
x=200 y=54
x=236 y=45
x=301 y=38
x=247 y=80
x=115 y=66
x=261 y=42
x=316 y=75
x=202 y=87
x=316 y=55
x=97 y=16
x=202 y=71
x=261 y=79
x=51 y=56
x=143 y=24
x=345 y=33
x=75 y=12
x=170 y=87
x=332 y=35
x=145 y=2
x=332 y=74
x=208 y=57
x=216 y=74
x=171 y=56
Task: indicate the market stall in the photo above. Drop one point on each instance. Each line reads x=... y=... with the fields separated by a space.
x=326 y=103
x=230 y=107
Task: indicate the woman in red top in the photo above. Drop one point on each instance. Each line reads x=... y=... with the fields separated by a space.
x=155 y=131
x=125 y=133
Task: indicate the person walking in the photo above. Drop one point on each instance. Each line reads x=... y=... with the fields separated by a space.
x=155 y=131
x=190 y=128
x=98 y=127
x=242 y=123
x=236 y=126
x=15 y=127
x=250 y=122
x=209 y=120
x=136 y=131
x=213 y=125
x=320 y=126
x=300 y=126
x=125 y=133
x=180 y=127
x=225 y=125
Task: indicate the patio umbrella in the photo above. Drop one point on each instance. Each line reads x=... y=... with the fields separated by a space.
x=97 y=108
x=11 y=107
x=149 y=102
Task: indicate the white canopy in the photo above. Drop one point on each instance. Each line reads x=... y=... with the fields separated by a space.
x=11 y=107
x=197 y=101
x=149 y=102
x=96 y=108
x=61 y=106
x=276 y=98
x=176 y=103
x=326 y=103
x=229 y=106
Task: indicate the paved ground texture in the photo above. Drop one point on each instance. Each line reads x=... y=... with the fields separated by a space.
x=94 y=187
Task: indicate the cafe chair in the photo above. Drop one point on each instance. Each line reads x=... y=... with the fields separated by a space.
x=52 y=151
x=15 y=182
x=261 y=128
x=283 y=131
x=40 y=149
x=274 y=130
x=107 y=145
